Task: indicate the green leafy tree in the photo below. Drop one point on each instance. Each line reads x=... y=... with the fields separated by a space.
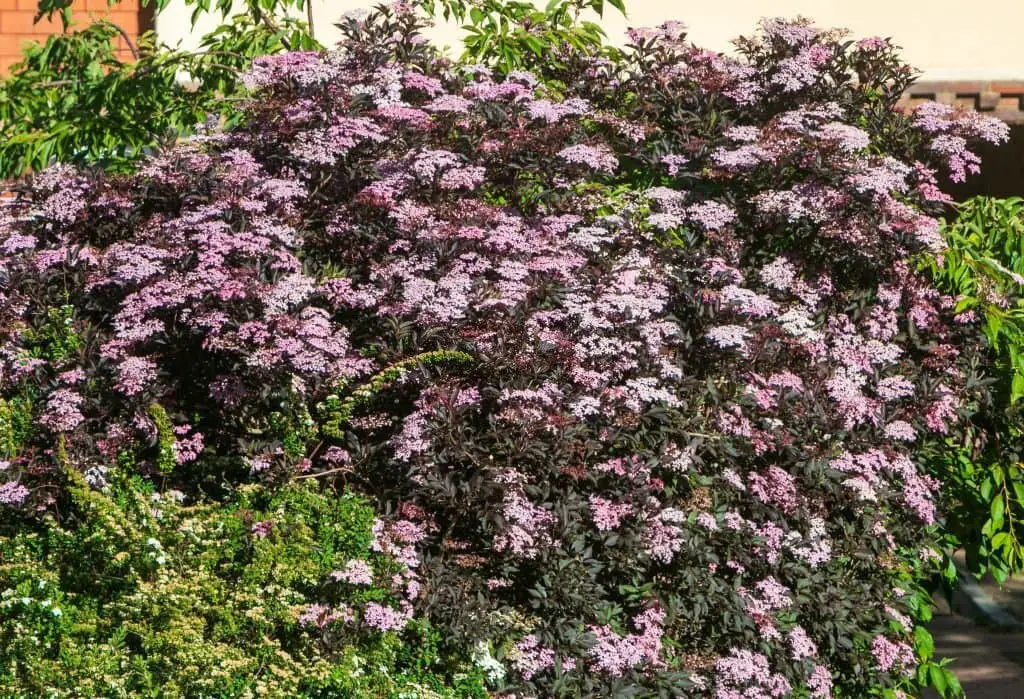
x=982 y=474
x=518 y=35
x=73 y=99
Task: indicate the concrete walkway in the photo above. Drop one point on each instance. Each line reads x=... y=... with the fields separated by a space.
x=990 y=664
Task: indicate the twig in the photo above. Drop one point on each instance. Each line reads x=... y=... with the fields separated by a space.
x=273 y=27
x=233 y=54
x=340 y=469
x=223 y=66
x=703 y=435
x=127 y=39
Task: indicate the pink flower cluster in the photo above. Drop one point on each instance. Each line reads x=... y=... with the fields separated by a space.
x=744 y=674
x=613 y=654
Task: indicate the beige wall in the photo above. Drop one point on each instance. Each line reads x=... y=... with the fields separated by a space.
x=947 y=39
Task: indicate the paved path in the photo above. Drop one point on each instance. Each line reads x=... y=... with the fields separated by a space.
x=985 y=660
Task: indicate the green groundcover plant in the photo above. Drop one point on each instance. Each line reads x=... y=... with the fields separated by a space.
x=140 y=594
x=626 y=371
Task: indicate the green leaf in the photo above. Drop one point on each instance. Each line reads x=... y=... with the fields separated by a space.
x=535 y=45
x=938 y=678
x=997 y=509
x=1017 y=386
x=986 y=489
x=924 y=643
x=1002 y=540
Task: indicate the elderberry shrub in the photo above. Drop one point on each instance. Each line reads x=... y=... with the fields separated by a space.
x=631 y=367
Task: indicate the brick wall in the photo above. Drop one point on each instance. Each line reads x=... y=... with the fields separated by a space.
x=16 y=25
x=1000 y=98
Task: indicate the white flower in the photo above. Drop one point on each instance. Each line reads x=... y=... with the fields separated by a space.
x=483 y=659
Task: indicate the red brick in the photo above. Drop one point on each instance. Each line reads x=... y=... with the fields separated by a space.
x=16 y=22
x=129 y=21
x=102 y=6
x=1008 y=87
x=21 y=22
x=10 y=45
x=965 y=86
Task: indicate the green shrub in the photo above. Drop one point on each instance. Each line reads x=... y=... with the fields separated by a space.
x=140 y=595
x=981 y=472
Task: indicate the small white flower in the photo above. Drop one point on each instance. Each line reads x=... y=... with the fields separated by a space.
x=491 y=666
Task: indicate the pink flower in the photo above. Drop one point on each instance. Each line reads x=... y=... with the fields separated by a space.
x=942 y=412
x=595 y=157
x=63 y=411
x=72 y=377
x=529 y=657
x=187 y=449
x=607 y=514
x=674 y=163
x=726 y=336
x=356 y=572
x=801 y=646
x=820 y=682
x=893 y=656
x=613 y=654
x=336 y=455
x=13 y=494
x=745 y=670
x=320 y=616
x=711 y=215
x=261 y=529
x=527 y=527
x=901 y=430
x=777 y=487
x=383 y=619
x=707 y=521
